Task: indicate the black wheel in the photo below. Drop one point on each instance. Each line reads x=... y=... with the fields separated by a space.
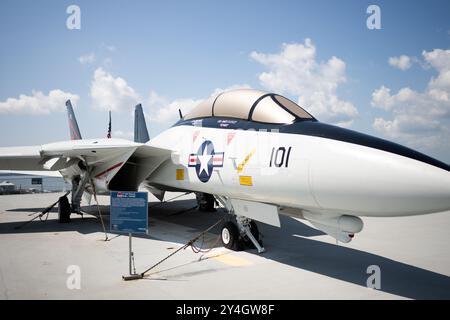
x=255 y=232
x=64 y=210
x=230 y=236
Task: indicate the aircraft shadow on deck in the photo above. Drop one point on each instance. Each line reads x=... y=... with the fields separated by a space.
x=289 y=245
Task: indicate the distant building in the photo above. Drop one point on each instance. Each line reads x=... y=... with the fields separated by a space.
x=7 y=187
x=29 y=183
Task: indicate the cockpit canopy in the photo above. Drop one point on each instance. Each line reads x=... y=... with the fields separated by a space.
x=251 y=105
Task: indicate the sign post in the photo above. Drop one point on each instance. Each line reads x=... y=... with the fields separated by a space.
x=130 y=255
x=129 y=214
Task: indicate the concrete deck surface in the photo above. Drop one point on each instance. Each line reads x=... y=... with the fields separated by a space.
x=300 y=263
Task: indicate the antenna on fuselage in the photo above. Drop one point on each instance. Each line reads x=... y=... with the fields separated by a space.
x=181 y=115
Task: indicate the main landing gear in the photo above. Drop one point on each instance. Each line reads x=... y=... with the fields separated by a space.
x=205 y=202
x=64 y=210
x=78 y=186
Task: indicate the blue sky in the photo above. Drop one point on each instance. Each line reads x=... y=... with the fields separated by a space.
x=169 y=54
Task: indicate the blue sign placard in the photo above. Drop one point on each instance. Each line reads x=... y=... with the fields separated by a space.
x=129 y=212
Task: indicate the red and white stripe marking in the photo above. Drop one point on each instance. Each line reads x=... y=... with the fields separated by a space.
x=103 y=173
x=218 y=159
x=192 y=159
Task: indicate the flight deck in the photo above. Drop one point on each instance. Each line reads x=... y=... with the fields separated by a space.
x=38 y=260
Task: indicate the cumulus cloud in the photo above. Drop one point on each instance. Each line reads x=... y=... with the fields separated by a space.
x=217 y=91
x=403 y=62
x=38 y=102
x=87 y=58
x=119 y=134
x=419 y=119
x=165 y=110
x=112 y=93
x=295 y=71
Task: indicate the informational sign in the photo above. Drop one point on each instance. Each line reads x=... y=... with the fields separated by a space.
x=36 y=180
x=129 y=212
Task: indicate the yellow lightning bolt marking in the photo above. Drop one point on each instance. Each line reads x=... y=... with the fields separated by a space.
x=244 y=162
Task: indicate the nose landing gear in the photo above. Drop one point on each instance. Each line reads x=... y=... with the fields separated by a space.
x=240 y=235
x=230 y=236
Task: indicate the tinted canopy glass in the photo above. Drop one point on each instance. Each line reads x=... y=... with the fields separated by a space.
x=266 y=110
x=251 y=105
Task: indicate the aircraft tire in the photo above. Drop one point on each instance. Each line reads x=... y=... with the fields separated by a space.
x=64 y=210
x=230 y=236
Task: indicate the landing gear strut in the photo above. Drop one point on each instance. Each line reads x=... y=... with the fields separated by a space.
x=240 y=235
x=64 y=210
x=243 y=233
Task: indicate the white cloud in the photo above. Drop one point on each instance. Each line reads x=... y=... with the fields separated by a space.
x=88 y=58
x=112 y=93
x=217 y=91
x=165 y=110
x=128 y=135
x=296 y=72
x=38 y=102
x=419 y=119
x=403 y=62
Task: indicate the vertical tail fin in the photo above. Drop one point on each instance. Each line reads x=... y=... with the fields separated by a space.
x=73 y=125
x=140 y=128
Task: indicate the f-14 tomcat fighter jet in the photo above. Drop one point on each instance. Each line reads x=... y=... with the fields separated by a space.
x=259 y=155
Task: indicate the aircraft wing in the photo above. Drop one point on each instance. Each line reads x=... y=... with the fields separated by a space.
x=106 y=158
x=21 y=158
x=56 y=174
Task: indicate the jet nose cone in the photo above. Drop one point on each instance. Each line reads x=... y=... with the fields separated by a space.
x=410 y=187
x=431 y=186
x=373 y=182
x=361 y=174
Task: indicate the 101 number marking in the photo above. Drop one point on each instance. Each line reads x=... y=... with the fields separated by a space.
x=280 y=157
